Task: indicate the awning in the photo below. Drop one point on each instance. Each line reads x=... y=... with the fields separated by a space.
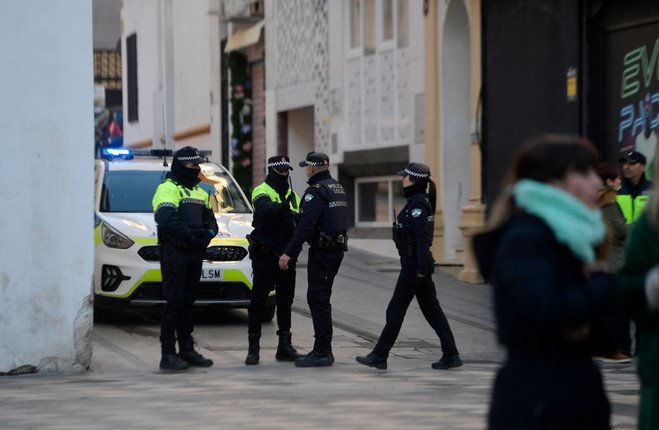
x=244 y=37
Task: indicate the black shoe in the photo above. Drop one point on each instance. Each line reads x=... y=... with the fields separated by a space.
x=193 y=358
x=253 y=351
x=448 y=362
x=285 y=349
x=372 y=360
x=171 y=361
x=313 y=359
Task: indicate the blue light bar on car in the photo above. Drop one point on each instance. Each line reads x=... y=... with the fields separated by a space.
x=117 y=152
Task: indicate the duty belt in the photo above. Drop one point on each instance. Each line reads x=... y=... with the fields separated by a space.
x=335 y=242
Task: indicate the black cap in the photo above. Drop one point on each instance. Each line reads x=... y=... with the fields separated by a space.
x=279 y=162
x=315 y=159
x=633 y=157
x=188 y=154
x=416 y=170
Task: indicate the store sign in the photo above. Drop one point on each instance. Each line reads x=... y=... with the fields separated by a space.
x=632 y=90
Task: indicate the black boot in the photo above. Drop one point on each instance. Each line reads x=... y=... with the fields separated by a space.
x=448 y=362
x=314 y=359
x=372 y=360
x=171 y=361
x=254 y=348
x=285 y=350
x=193 y=357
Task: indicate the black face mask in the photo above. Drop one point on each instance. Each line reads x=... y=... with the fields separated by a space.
x=185 y=176
x=278 y=182
x=414 y=189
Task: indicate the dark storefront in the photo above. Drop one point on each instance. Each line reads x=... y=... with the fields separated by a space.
x=568 y=66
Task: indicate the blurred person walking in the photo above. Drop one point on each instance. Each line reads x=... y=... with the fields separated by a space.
x=412 y=233
x=549 y=289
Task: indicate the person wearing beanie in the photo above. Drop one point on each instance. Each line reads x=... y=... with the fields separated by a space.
x=412 y=234
x=276 y=209
x=186 y=225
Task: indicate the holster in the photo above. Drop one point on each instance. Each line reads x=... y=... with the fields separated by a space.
x=338 y=242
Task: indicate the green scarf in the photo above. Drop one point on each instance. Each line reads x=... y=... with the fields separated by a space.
x=572 y=223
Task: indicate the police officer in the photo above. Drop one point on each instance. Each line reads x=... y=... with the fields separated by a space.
x=413 y=237
x=276 y=208
x=635 y=189
x=186 y=225
x=323 y=225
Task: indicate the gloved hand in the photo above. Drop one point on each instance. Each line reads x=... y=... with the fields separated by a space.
x=652 y=288
x=284 y=207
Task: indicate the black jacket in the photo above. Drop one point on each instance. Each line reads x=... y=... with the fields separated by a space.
x=540 y=288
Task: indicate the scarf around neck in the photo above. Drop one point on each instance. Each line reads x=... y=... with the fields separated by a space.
x=573 y=223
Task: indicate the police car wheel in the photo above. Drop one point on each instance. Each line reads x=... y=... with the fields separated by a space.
x=269 y=313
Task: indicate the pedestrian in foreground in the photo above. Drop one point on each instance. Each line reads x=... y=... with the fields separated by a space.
x=412 y=233
x=639 y=292
x=323 y=224
x=538 y=253
x=276 y=207
x=186 y=225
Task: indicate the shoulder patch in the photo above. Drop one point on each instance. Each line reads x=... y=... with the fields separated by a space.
x=416 y=212
x=308 y=197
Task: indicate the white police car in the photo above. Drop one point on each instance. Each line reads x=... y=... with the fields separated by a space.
x=126 y=257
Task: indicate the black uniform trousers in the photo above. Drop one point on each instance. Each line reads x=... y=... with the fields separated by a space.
x=409 y=285
x=268 y=275
x=181 y=271
x=322 y=267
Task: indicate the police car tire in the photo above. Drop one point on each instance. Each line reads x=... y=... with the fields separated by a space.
x=102 y=314
x=269 y=313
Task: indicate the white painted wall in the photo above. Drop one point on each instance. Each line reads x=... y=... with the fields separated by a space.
x=142 y=17
x=175 y=82
x=192 y=64
x=47 y=174
x=455 y=82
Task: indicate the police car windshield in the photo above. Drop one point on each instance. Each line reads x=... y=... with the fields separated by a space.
x=133 y=190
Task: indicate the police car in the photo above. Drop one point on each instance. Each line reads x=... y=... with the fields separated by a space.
x=126 y=250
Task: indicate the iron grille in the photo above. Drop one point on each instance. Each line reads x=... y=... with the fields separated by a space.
x=213 y=253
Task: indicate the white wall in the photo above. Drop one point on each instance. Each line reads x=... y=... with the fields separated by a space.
x=192 y=64
x=142 y=17
x=174 y=69
x=46 y=172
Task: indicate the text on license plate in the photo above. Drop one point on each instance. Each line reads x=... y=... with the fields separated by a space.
x=208 y=274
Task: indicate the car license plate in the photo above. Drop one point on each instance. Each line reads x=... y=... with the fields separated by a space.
x=211 y=274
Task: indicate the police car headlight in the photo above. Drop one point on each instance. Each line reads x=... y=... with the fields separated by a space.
x=113 y=239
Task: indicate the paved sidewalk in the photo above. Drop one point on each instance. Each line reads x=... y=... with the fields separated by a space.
x=125 y=389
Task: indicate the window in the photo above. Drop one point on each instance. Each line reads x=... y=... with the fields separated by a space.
x=377 y=24
x=131 y=71
x=387 y=20
x=369 y=27
x=377 y=198
x=355 y=24
x=403 y=20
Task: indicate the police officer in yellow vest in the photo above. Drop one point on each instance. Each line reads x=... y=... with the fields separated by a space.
x=635 y=191
x=276 y=209
x=186 y=225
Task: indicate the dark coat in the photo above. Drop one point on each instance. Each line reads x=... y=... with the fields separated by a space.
x=541 y=292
